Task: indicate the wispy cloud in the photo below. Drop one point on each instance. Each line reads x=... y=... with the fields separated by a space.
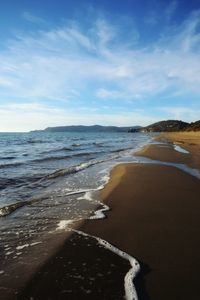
x=165 y=15
x=31 y=116
x=181 y=112
x=31 y=18
x=170 y=10
x=73 y=65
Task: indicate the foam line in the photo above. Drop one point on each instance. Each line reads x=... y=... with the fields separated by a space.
x=99 y=214
x=64 y=224
x=130 y=291
x=182 y=167
x=180 y=149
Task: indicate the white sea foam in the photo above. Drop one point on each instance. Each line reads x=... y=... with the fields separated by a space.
x=180 y=149
x=64 y=224
x=9 y=252
x=130 y=291
x=36 y=243
x=22 y=246
x=99 y=214
x=27 y=245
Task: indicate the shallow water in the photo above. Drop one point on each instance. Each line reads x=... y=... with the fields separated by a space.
x=48 y=182
x=49 y=179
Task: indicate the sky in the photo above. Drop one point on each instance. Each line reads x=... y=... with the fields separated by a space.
x=108 y=62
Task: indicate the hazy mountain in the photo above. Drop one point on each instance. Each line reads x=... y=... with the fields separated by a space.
x=162 y=126
x=93 y=128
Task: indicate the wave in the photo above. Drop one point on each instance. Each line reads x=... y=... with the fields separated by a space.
x=58 y=150
x=121 y=149
x=98 y=144
x=25 y=141
x=82 y=166
x=35 y=141
x=10 y=165
x=8 y=157
x=74 y=169
x=78 y=139
x=5 y=182
x=24 y=181
x=85 y=144
x=84 y=154
x=8 y=209
x=50 y=158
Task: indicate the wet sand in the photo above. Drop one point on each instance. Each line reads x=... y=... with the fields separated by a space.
x=188 y=141
x=154 y=217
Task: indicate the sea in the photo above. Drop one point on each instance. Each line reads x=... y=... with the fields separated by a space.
x=49 y=181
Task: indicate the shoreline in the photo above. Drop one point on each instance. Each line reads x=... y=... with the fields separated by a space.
x=145 y=229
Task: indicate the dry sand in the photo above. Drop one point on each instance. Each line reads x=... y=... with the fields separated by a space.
x=154 y=217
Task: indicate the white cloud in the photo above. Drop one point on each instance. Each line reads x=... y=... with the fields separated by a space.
x=31 y=18
x=182 y=113
x=166 y=14
x=184 y=38
x=70 y=65
x=31 y=116
x=52 y=63
x=108 y=94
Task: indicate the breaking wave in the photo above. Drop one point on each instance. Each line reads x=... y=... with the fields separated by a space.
x=8 y=209
x=74 y=169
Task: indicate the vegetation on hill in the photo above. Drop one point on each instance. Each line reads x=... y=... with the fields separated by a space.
x=194 y=126
x=169 y=126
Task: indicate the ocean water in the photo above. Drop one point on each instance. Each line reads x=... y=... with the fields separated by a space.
x=51 y=180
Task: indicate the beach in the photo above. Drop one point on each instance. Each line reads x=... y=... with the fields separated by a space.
x=153 y=216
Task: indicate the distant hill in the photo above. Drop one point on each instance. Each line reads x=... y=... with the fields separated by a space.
x=93 y=128
x=164 y=126
x=194 y=126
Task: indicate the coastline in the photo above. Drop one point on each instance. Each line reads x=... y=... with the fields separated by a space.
x=154 y=218
x=189 y=141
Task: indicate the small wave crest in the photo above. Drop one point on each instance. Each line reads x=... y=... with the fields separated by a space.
x=51 y=158
x=57 y=150
x=7 y=157
x=10 y=165
x=73 y=169
x=5 y=182
x=8 y=209
x=33 y=141
x=121 y=149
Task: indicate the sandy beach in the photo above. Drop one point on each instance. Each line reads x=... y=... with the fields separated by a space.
x=154 y=216
x=190 y=141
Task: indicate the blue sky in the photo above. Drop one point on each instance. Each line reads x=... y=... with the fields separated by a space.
x=98 y=62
